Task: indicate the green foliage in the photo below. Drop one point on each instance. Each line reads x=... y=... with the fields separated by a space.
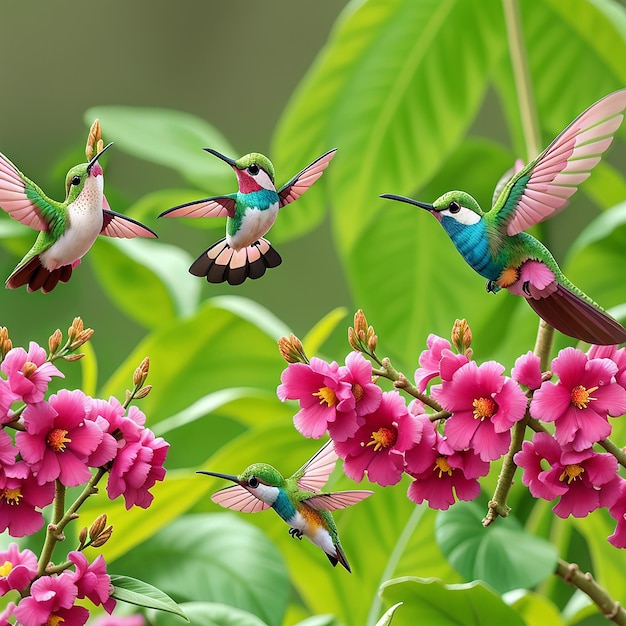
x=137 y=592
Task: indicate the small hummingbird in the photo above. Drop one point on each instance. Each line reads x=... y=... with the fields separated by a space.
x=250 y=213
x=68 y=229
x=494 y=245
x=296 y=499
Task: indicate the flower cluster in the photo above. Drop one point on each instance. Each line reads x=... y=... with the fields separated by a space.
x=65 y=440
x=459 y=416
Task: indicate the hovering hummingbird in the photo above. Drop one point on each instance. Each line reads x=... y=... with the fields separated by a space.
x=296 y=499
x=250 y=213
x=493 y=243
x=68 y=229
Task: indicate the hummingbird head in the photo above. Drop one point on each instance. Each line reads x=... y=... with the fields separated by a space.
x=254 y=171
x=77 y=177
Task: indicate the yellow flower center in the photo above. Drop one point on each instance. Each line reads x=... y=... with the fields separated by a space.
x=56 y=439
x=12 y=496
x=28 y=369
x=383 y=438
x=54 y=620
x=571 y=473
x=484 y=408
x=6 y=568
x=326 y=395
x=443 y=466
x=357 y=391
x=581 y=396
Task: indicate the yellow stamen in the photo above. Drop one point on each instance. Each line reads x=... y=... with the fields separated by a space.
x=571 y=473
x=28 y=369
x=326 y=395
x=383 y=438
x=54 y=620
x=12 y=496
x=6 y=568
x=581 y=396
x=484 y=408
x=357 y=391
x=443 y=466
x=56 y=439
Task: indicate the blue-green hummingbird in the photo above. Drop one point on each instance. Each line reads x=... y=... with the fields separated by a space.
x=68 y=229
x=493 y=243
x=297 y=499
x=250 y=213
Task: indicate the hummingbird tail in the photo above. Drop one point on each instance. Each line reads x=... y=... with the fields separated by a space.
x=221 y=263
x=36 y=276
x=339 y=557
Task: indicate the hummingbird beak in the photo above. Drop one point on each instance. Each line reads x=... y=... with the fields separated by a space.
x=230 y=477
x=224 y=158
x=95 y=159
x=421 y=205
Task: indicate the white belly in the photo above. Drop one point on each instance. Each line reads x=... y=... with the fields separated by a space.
x=254 y=225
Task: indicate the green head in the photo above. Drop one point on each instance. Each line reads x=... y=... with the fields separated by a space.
x=254 y=171
x=263 y=472
x=77 y=177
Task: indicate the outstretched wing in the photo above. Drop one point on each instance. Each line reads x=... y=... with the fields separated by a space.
x=117 y=225
x=218 y=206
x=237 y=498
x=301 y=182
x=337 y=500
x=543 y=187
x=22 y=199
x=313 y=475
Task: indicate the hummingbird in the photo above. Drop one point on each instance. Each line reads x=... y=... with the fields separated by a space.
x=297 y=499
x=250 y=213
x=495 y=245
x=67 y=229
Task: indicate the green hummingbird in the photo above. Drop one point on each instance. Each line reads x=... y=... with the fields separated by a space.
x=297 y=499
x=494 y=245
x=250 y=213
x=67 y=229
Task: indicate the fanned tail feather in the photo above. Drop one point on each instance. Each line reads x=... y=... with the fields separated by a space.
x=221 y=263
x=339 y=557
x=36 y=277
x=573 y=316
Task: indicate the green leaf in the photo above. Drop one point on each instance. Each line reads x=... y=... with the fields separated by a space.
x=213 y=614
x=504 y=555
x=316 y=337
x=385 y=620
x=137 y=592
x=430 y=602
x=171 y=138
x=220 y=558
x=536 y=610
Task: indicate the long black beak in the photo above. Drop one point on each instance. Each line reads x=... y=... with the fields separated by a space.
x=224 y=476
x=95 y=159
x=421 y=205
x=224 y=158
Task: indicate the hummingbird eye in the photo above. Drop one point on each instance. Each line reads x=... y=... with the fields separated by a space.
x=253 y=482
x=253 y=169
x=454 y=207
x=75 y=180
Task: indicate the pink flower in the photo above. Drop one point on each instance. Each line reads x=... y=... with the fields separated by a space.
x=17 y=569
x=527 y=371
x=59 y=438
x=92 y=581
x=51 y=601
x=584 y=480
x=108 y=416
x=322 y=392
x=580 y=402
x=21 y=499
x=484 y=406
x=443 y=475
x=429 y=361
x=29 y=373
x=618 y=513
x=7 y=398
x=378 y=446
x=618 y=356
x=122 y=620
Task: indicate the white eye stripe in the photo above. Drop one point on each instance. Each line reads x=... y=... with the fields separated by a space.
x=464 y=216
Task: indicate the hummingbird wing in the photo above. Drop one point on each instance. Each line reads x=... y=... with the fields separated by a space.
x=217 y=206
x=337 y=500
x=238 y=498
x=25 y=202
x=313 y=475
x=301 y=182
x=542 y=188
x=117 y=225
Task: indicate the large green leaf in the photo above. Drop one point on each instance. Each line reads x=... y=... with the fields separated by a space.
x=142 y=594
x=212 y=614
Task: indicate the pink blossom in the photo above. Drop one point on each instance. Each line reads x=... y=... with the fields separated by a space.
x=580 y=402
x=92 y=580
x=584 y=480
x=429 y=361
x=484 y=406
x=51 y=601
x=322 y=392
x=527 y=371
x=21 y=500
x=8 y=451
x=28 y=373
x=618 y=356
x=618 y=513
x=6 y=614
x=7 y=398
x=121 y=620
x=378 y=446
x=59 y=438
x=17 y=569
x=109 y=415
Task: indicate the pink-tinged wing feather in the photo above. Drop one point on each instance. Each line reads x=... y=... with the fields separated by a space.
x=301 y=182
x=237 y=498
x=116 y=225
x=337 y=500
x=313 y=475
x=13 y=198
x=219 y=206
x=543 y=187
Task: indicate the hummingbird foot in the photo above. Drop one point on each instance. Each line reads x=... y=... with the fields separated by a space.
x=296 y=533
x=492 y=286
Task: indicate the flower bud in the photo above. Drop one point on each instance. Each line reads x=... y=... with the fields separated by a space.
x=54 y=343
x=141 y=373
x=143 y=392
x=94 y=140
x=5 y=343
x=103 y=537
x=362 y=337
x=98 y=526
x=73 y=357
x=462 y=337
x=82 y=536
x=291 y=349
